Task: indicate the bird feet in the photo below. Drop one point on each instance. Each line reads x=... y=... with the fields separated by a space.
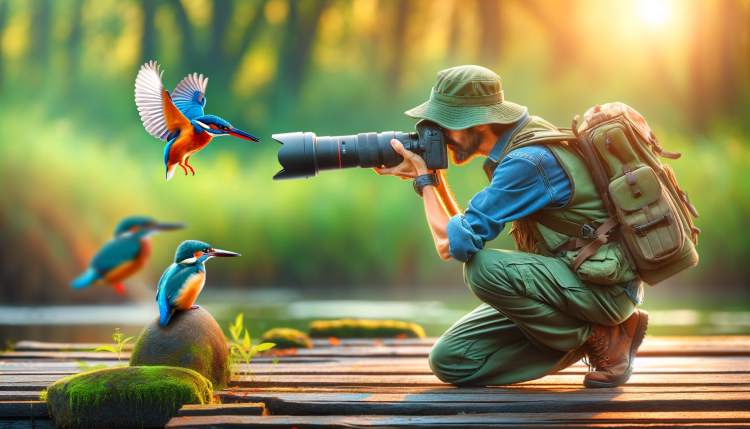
x=183 y=167
x=191 y=169
x=194 y=307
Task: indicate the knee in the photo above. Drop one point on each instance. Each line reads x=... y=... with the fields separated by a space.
x=447 y=361
x=485 y=271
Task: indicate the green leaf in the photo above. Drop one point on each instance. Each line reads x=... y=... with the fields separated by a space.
x=246 y=340
x=275 y=361
x=126 y=340
x=107 y=349
x=265 y=346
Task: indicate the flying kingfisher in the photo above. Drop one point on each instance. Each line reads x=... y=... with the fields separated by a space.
x=184 y=279
x=179 y=119
x=125 y=254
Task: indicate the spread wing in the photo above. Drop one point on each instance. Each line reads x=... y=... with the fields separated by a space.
x=160 y=116
x=190 y=95
x=115 y=253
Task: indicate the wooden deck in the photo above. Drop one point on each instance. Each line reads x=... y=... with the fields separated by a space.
x=678 y=382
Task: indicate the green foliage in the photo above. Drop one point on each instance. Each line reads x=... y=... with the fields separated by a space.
x=243 y=351
x=287 y=338
x=119 y=342
x=358 y=328
x=85 y=367
x=70 y=129
x=125 y=397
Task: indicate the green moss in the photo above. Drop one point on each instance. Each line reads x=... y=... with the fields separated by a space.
x=287 y=338
x=357 y=328
x=191 y=356
x=125 y=397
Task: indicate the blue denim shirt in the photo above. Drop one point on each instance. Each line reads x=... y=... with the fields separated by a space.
x=526 y=180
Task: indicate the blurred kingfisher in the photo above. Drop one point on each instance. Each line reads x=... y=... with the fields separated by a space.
x=183 y=281
x=125 y=254
x=179 y=119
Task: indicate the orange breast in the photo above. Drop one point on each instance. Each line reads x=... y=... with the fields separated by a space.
x=190 y=291
x=128 y=269
x=187 y=144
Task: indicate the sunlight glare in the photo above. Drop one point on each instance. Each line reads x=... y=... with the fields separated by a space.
x=654 y=11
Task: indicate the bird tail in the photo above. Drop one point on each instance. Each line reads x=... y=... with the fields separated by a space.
x=167 y=148
x=86 y=279
x=165 y=311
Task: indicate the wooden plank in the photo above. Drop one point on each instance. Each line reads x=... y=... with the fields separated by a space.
x=27 y=423
x=16 y=395
x=21 y=409
x=238 y=409
x=655 y=348
x=451 y=404
x=431 y=380
x=413 y=366
x=735 y=418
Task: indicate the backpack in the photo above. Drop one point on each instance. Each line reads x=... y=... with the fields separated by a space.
x=651 y=217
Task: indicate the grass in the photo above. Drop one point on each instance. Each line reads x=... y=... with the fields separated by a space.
x=117 y=348
x=242 y=350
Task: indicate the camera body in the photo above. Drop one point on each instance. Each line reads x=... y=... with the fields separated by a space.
x=304 y=155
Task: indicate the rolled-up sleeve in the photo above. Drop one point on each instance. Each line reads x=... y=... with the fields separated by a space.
x=525 y=181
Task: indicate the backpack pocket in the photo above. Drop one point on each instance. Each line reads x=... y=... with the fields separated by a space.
x=649 y=220
x=606 y=267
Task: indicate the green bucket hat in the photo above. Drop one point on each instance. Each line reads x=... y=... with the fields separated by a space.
x=466 y=96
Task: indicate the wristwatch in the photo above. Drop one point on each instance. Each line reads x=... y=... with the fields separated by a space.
x=420 y=182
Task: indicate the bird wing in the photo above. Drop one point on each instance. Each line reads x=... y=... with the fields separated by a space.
x=173 y=279
x=190 y=95
x=116 y=252
x=160 y=116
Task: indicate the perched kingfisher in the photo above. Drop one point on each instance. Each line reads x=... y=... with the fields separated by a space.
x=179 y=119
x=125 y=254
x=183 y=281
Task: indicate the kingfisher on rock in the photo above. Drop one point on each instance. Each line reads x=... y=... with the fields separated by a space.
x=184 y=279
x=179 y=119
x=125 y=254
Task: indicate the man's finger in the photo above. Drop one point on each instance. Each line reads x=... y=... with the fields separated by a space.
x=382 y=171
x=399 y=148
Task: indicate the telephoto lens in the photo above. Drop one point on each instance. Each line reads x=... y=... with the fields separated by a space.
x=303 y=155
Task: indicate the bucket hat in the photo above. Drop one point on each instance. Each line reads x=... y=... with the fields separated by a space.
x=466 y=96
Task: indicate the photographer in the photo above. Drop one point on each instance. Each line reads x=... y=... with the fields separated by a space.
x=537 y=316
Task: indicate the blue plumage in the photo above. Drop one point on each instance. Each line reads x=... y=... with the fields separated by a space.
x=125 y=254
x=182 y=281
x=86 y=279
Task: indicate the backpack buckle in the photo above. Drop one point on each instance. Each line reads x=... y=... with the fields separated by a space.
x=588 y=232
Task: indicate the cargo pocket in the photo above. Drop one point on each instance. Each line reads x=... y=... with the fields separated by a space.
x=648 y=217
x=606 y=267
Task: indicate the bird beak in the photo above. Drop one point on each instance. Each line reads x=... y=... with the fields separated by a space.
x=243 y=135
x=218 y=253
x=169 y=226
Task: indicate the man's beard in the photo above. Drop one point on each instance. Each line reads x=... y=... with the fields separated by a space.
x=468 y=148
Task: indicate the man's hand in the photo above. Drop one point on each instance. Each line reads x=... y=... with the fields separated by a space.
x=412 y=166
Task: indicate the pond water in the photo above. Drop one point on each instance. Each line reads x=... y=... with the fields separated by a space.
x=263 y=311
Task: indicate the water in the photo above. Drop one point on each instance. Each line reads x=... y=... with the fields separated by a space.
x=264 y=310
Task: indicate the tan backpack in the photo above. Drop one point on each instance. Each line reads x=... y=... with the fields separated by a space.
x=650 y=215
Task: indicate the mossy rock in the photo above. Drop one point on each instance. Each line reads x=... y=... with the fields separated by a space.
x=125 y=397
x=287 y=338
x=192 y=340
x=358 y=328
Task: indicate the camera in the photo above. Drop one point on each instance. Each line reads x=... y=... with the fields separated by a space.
x=303 y=155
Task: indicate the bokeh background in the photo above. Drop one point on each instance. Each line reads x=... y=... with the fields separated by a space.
x=74 y=157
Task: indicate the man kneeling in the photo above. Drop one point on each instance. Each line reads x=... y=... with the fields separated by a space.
x=538 y=316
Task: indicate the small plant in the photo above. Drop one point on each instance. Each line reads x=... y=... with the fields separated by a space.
x=243 y=350
x=117 y=336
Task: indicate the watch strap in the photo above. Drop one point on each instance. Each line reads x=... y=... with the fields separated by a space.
x=430 y=179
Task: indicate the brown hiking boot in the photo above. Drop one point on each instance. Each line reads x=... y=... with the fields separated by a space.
x=611 y=350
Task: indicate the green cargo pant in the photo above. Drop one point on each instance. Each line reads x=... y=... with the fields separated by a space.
x=536 y=316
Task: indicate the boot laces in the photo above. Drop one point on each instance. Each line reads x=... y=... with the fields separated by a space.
x=596 y=352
